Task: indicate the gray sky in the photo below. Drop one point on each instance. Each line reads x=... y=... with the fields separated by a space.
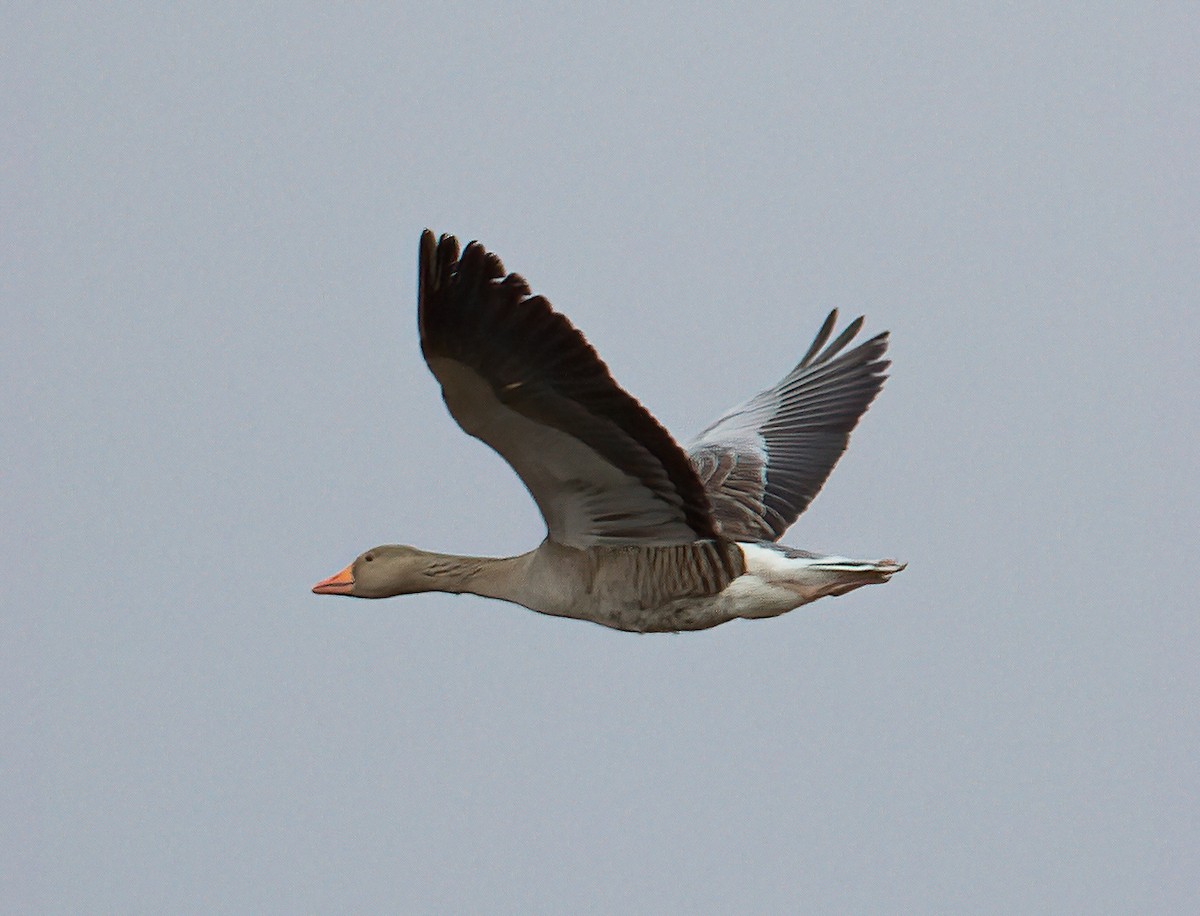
x=213 y=397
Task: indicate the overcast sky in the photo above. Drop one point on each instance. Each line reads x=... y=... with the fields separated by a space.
x=213 y=397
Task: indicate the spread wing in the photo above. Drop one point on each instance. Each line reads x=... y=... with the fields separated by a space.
x=517 y=375
x=764 y=461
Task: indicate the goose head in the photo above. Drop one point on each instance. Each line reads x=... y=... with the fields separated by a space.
x=381 y=572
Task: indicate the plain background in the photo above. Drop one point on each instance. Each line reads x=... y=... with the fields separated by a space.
x=213 y=397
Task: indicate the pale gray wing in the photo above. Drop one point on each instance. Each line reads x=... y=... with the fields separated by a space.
x=764 y=461
x=518 y=376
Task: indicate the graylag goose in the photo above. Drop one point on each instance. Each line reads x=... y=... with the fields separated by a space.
x=641 y=535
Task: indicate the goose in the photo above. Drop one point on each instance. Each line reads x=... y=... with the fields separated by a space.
x=642 y=536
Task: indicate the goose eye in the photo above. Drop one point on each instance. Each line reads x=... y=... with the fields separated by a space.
x=369 y=557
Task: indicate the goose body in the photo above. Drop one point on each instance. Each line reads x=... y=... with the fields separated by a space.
x=641 y=535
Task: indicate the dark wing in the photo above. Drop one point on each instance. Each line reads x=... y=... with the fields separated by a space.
x=517 y=375
x=764 y=461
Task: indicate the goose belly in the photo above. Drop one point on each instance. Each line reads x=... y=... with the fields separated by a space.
x=746 y=596
x=775 y=580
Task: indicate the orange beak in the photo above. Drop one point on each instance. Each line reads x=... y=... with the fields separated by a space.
x=341 y=584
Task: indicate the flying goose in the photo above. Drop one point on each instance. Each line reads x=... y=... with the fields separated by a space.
x=641 y=535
